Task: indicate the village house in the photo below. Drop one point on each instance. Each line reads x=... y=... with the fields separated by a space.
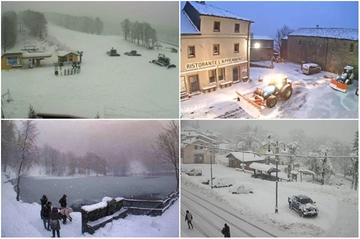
x=215 y=49
x=331 y=48
x=261 y=48
x=243 y=160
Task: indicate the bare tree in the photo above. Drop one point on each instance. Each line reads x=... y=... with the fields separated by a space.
x=27 y=149
x=280 y=34
x=167 y=148
x=355 y=162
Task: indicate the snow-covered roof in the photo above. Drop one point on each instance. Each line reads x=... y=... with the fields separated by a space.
x=36 y=54
x=64 y=53
x=263 y=167
x=258 y=37
x=192 y=140
x=206 y=9
x=187 y=26
x=11 y=53
x=245 y=157
x=338 y=33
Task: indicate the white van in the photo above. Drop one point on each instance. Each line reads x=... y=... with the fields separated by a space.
x=241 y=188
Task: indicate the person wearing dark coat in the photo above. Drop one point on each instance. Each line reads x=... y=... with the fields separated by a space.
x=226 y=230
x=43 y=201
x=188 y=218
x=46 y=215
x=55 y=218
x=63 y=202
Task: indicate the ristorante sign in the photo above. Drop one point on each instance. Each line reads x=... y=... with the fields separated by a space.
x=212 y=63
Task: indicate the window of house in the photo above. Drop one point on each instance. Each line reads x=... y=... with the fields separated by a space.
x=191 y=51
x=212 y=76
x=195 y=147
x=299 y=42
x=70 y=57
x=237 y=28
x=221 y=72
x=216 y=49
x=351 y=48
x=216 y=26
x=236 y=48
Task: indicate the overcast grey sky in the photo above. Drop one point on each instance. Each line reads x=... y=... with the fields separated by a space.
x=160 y=12
x=344 y=130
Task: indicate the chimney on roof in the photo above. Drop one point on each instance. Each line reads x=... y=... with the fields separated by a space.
x=317 y=25
x=202 y=2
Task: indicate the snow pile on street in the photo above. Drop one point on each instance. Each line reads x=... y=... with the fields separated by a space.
x=113 y=87
x=338 y=205
x=19 y=219
x=312 y=97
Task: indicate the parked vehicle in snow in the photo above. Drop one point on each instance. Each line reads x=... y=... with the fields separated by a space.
x=207 y=181
x=310 y=68
x=303 y=205
x=221 y=182
x=241 y=188
x=194 y=172
x=132 y=53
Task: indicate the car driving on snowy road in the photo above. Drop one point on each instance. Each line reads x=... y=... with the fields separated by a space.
x=303 y=205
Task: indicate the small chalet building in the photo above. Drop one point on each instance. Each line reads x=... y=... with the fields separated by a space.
x=243 y=160
x=67 y=56
x=331 y=48
x=265 y=50
x=215 y=49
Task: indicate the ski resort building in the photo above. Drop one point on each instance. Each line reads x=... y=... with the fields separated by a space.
x=18 y=60
x=215 y=49
x=331 y=48
x=261 y=48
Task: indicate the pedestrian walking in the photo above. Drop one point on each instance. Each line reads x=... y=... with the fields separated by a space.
x=226 y=231
x=189 y=218
x=55 y=218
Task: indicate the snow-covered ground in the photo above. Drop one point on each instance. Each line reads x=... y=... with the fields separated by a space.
x=338 y=205
x=114 y=87
x=312 y=97
x=19 y=219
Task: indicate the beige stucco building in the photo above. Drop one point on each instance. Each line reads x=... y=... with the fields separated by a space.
x=215 y=49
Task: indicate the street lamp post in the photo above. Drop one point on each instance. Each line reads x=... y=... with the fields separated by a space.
x=276 y=144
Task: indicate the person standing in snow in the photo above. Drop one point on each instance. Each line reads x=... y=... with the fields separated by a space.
x=226 y=231
x=46 y=215
x=43 y=201
x=63 y=202
x=188 y=218
x=55 y=218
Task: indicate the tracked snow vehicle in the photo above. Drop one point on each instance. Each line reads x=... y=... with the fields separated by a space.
x=162 y=60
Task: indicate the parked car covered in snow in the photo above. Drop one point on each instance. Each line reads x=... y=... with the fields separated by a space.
x=310 y=68
x=194 y=172
x=221 y=182
x=241 y=188
x=303 y=205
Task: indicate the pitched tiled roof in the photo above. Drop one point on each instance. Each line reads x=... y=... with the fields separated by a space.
x=338 y=33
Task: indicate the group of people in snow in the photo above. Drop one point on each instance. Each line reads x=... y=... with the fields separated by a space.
x=188 y=218
x=52 y=215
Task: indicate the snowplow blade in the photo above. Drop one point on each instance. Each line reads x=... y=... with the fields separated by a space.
x=338 y=86
x=249 y=106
